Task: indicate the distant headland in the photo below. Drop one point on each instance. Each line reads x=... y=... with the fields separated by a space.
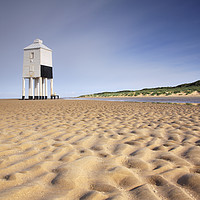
x=186 y=89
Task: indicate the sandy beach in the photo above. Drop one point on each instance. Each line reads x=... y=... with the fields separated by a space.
x=98 y=150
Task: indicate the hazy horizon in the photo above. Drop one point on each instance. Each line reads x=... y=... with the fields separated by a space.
x=103 y=45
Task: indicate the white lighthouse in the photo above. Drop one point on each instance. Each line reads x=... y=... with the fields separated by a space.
x=37 y=67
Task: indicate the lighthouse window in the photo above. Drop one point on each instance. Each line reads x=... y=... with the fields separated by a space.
x=31 y=55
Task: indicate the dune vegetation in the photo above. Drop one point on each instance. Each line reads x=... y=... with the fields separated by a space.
x=183 y=89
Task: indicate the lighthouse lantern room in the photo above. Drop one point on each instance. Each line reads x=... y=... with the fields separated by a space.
x=37 y=68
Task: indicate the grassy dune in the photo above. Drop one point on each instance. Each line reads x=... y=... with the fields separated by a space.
x=183 y=89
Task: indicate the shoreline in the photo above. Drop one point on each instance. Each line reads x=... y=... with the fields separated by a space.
x=174 y=99
x=142 y=99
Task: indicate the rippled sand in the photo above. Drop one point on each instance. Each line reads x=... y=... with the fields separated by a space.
x=62 y=149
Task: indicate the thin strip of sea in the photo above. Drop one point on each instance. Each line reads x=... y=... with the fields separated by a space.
x=144 y=99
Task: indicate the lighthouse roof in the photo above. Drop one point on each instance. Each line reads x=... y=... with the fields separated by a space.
x=36 y=45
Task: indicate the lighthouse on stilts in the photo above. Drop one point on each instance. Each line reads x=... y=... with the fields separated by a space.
x=37 y=68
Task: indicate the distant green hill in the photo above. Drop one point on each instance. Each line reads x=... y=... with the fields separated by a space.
x=186 y=89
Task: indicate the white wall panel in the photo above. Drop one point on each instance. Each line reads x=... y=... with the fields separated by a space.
x=46 y=57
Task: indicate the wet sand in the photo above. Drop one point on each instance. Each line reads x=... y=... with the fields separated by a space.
x=67 y=150
x=189 y=99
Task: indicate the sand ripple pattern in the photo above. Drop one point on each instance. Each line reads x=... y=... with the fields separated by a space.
x=95 y=150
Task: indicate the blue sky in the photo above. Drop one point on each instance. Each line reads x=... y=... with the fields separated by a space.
x=102 y=45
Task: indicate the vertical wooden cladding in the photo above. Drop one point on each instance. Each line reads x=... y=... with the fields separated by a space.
x=31 y=63
x=45 y=57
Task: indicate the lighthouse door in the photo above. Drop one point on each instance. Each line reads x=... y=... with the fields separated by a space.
x=31 y=71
